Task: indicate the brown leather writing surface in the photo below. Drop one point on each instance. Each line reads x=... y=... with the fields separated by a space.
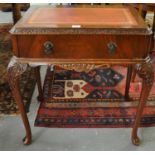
x=75 y=20
x=82 y=16
x=88 y=17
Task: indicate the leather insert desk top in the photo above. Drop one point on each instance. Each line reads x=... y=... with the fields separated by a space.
x=88 y=17
x=82 y=16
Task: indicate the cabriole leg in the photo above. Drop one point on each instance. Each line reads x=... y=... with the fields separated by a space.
x=145 y=71
x=15 y=71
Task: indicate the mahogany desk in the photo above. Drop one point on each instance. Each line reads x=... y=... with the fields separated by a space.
x=81 y=39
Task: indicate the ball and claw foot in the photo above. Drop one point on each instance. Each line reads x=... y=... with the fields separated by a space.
x=136 y=141
x=26 y=141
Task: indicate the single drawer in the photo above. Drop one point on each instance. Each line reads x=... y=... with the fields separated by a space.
x=82 y=46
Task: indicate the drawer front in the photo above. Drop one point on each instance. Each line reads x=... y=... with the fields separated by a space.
x=82 y=46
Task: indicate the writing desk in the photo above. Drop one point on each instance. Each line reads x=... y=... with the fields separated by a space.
x=81 y=39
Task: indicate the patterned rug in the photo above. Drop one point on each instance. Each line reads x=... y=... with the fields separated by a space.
x=80 y=100
x=27 y=83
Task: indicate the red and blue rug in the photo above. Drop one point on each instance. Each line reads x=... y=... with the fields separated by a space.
x=83 y=100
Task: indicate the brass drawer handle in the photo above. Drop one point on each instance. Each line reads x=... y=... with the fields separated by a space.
x=112 y=47
x=48 y=47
